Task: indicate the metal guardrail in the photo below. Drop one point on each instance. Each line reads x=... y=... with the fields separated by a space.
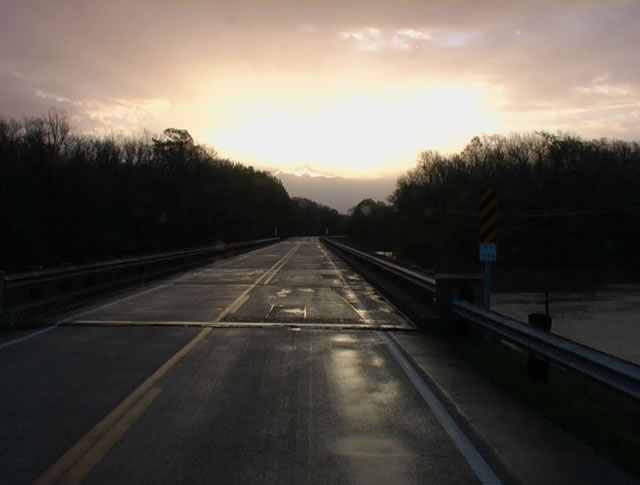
x=418 y=279
x=607 y=369
x=612 y=371
x=27 y=294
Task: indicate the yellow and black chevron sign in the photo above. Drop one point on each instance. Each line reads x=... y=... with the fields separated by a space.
x=488 y=217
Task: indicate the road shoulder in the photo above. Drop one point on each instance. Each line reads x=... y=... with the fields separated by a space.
x=529 y=447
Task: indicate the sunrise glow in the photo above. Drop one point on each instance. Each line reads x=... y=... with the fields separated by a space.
x=333 y=87
x=368 y=134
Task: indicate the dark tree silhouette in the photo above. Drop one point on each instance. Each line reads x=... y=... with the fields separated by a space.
x=562 y=202
x=65 y=197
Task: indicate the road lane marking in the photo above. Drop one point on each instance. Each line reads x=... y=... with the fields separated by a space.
x=362 y=311
x=244 y=296
x=27 y=337
x=80 y=452
x=239 y=324
x=81 y=314
x=478 y=464
x=77 y=451
x=238 y=303
x=283 y=262
x=101 y=447
x=182 y=277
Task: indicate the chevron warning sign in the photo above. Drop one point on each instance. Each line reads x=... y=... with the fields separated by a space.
x=488 y=225
x=488 y=217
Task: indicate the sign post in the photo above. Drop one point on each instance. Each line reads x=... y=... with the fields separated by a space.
x=488 y=234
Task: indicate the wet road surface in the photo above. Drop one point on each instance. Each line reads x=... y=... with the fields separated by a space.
x=270 y=367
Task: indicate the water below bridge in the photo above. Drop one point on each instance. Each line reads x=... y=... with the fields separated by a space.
x=607 y=319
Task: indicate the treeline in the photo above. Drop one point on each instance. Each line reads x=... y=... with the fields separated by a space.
x=562 y=202
x=313 y=219
x=66 y=197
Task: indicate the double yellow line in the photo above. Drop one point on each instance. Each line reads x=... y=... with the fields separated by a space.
x=82 y=457
x=76 y=463
x=278 y=266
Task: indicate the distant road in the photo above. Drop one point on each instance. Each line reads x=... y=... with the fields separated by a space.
x=265 y=368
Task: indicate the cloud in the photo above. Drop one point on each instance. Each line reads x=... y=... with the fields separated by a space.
x=372 y=39
x=55 y=97
x=601 y=85
x=128 y=115
x=211 y=66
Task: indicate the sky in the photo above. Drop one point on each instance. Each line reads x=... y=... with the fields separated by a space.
x=353 y=88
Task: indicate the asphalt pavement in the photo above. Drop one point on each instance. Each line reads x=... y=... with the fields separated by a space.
x=269 y=367
x=281 y=365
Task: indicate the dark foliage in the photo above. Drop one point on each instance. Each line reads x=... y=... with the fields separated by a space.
x=72 y=198
x=562 y=202
x=312 y=219
x=372 y=224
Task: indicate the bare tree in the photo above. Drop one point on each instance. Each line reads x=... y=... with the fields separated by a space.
x=58 y=129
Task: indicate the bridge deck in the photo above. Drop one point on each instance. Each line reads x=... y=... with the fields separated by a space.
x=292 y=283
x=271 y=367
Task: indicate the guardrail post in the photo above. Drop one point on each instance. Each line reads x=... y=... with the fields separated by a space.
x=538 y=369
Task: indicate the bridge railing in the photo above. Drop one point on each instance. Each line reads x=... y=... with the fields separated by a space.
x=612 y=371
x=24 y=296
x=607 y=369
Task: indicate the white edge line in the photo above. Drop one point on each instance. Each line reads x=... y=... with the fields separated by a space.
x=181 y=277
x=362 y=313
x=38 y=332
x=478 y=464
x=81 y=314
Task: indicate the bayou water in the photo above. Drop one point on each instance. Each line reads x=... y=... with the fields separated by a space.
x=606 y=318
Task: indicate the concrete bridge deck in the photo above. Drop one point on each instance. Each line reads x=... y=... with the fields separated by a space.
x=278 y=366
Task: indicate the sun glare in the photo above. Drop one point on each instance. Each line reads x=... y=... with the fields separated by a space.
x=359 y=134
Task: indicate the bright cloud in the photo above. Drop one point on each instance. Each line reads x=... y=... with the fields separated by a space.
x=601 y=85
x=331 y=86
x=129 y=116
x=373 y=40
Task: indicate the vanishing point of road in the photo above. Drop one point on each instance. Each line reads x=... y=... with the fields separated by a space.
x=275 y=366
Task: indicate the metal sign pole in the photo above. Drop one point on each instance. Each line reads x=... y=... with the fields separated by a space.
x=488 y=233
x=487 y=285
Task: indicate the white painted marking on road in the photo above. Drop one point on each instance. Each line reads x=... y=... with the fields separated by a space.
x=77 y=315
x=26 y=337
x=238 y=302
x=111 y=303
x=182 y=323
x=360 y=309
x=190 y=274
x=478 y=464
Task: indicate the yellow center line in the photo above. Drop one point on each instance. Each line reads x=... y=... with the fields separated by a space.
x=284 y=261
x=80 y=459
x=242 y=299
x=93 y=456
x=77 y=451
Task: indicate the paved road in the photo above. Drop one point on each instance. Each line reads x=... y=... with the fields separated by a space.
x=270 y=367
